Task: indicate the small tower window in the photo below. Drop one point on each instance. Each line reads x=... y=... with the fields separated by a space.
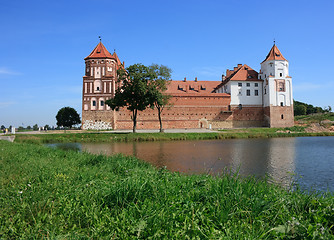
x=94 y=103
x=281 y=87
x=282 y=116
x=102 y=103
x=282 y=104
x=281 y=74
x=97 y=88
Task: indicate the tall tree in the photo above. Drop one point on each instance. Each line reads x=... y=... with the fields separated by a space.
x=67 y=117
x=158 y=98
x=132 y=92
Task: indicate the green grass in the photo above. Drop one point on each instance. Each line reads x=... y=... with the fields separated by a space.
x=127 y=137
x=53 y=194
x=315 y=118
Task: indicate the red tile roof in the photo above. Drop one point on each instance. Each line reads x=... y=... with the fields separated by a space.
x=274 y=54
x=187 y=88
x=100 y=51
x=240 y=73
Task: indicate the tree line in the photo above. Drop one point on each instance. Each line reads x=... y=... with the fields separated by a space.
x=301 y=108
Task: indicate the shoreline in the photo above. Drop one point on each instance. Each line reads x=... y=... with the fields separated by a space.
x=127 y=136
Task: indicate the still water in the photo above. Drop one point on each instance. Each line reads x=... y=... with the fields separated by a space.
x=308 y=161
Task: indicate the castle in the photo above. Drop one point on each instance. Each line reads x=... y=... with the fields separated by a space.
x=243 y=97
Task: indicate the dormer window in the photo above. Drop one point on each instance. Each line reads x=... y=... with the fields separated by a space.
x=249 y=76
x=179 y=87
x=203 y=87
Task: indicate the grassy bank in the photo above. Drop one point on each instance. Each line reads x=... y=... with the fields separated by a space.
x=47 y=193
x=127 y=137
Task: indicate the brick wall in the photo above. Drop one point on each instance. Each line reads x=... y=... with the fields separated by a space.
x=277 y=116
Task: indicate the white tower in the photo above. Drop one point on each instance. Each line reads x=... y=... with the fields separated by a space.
x=277 y=90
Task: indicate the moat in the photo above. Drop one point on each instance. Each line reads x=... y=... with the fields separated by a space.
x=308 y=161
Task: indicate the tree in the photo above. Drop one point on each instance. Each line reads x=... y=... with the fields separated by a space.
x=3 y=127
x=29 y=128
x=132 y=92
x=46 y=127
x=299 y=110
x=158 y=98
x=67 y=117
x=35 y=127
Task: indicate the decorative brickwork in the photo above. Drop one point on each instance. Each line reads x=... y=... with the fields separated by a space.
x=235 y=102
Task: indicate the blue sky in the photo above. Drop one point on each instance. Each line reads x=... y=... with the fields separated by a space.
x=43 y=44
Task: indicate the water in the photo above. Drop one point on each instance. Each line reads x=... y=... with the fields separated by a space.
x=308 y=161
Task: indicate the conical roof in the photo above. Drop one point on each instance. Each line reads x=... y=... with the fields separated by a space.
x=274 y=54
x=99 y=51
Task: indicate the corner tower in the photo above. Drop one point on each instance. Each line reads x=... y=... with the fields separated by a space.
x=277 y=90
x=99 y=86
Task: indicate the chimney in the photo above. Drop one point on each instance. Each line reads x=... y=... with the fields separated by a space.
x=223 y=77
x=195 y=79
x=185 y=79
x=123 y=64
x=239 y=65
x=235 y=69
x=227 y=72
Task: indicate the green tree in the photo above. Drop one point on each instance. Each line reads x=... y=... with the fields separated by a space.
x=35 y=127
x=132 y=92
x=29 y=128
x=67 y=117
x=299 y=109
x=158 y=98
x=46 y=127
x=3 y=127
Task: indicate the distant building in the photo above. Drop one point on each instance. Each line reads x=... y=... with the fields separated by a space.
x=243 y=98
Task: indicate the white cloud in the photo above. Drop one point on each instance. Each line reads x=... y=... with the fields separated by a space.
x=6 y=104
x=6 y=71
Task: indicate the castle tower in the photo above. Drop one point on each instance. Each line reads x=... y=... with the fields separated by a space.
x=277 y=90
x=99 y=86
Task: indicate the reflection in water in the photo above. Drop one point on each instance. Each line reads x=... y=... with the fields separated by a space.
x=258 y=157
x=307 y=160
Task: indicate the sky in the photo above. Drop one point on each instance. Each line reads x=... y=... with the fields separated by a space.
x=43 y=45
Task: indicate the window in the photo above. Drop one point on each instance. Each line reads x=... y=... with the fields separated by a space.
x=282 y=117
x=282 y=104
x=248 y=84
x=280 y=74
x=240 y=106
x=281 y=87
x=239 y=84
x=256 y=93
x=94 y=103
x=97 y=88
x=102 y=103
x=265 y=90
x=248 y=92
x=239 y=93
x=256 y=84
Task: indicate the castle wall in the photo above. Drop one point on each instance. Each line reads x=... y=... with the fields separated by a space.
x=277 y=116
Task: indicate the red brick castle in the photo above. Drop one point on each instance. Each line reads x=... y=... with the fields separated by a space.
x=243 y=98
